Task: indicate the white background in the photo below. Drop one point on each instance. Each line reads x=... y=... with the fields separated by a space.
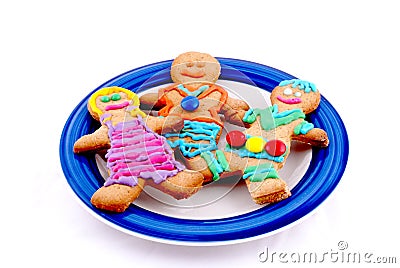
x=52 y=54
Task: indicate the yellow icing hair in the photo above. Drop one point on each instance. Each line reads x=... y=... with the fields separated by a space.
x=110 y=90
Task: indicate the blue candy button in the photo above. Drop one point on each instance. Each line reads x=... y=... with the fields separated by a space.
x=190 y=103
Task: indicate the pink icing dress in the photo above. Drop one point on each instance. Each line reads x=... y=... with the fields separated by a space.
x=137 y=151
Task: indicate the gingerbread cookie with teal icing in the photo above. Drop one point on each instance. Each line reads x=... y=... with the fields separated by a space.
x=203 y=105
x=261 y=150
x=137 y=155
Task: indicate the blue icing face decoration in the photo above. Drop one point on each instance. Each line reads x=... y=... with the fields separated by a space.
x=301 y=84
x=190 y=103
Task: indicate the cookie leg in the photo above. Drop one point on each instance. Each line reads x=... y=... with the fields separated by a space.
x=261 y=178
x=268 y=191
x=116 y=197
x=198 y=164
x=211 y=165
x=182 y=185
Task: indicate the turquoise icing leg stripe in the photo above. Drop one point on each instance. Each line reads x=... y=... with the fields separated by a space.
x=261 y=171
x=197 y=131
x=215 y=162
x=212 y=164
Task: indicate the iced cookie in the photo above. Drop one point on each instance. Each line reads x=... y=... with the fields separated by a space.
x=261 y=150
x=200 y=103
x=137 y=154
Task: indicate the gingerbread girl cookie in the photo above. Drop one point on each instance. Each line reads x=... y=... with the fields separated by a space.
x=261 y=150
x=200 y=103
x=137 y=155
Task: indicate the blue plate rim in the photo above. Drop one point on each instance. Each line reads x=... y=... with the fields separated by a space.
x=324 y=173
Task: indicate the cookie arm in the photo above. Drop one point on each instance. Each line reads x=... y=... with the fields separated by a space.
x=234 y=111
x=95 y=141
x=164 y=124
x=314 y=137
x=150 y=101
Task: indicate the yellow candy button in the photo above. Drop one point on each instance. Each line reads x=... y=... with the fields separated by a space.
x=255 y=144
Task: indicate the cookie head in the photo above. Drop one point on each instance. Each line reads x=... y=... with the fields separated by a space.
x=109 y=99
x=195 y=67
x=296 y=94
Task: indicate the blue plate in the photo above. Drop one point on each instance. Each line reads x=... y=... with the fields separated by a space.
x=323 y=175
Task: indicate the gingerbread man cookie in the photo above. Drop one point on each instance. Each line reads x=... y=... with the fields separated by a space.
x=262 y=149
x=137 y=155
x=200 y=103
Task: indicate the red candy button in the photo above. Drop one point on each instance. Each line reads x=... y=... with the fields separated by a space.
x=235 y=138
x=275 y=147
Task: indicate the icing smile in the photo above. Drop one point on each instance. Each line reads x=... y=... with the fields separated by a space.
x=117 y=106
x=289 y=101
x=198 y=74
